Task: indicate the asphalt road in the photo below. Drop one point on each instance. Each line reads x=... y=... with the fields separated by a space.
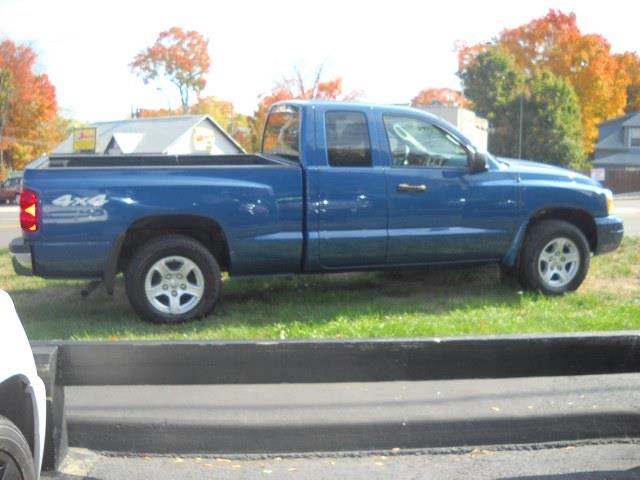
x=9 y=224
x=608 y=461
x=627 y=208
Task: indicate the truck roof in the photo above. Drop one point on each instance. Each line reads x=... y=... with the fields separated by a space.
x=384 y=108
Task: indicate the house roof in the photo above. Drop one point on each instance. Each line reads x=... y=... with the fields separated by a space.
x=633 y=120
x=618 y=160
x=618 y=119
x=610 y=138
x=613 y=141
x=143 y=135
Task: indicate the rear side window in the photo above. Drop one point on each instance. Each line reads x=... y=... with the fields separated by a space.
x=348 y=142
x=282 y=132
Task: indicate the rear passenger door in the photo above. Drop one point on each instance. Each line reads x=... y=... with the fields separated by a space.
x=351 y=204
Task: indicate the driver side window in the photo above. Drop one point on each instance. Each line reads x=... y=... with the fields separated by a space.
x=416 y=143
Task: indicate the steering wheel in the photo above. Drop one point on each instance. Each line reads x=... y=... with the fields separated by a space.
x=405 y=157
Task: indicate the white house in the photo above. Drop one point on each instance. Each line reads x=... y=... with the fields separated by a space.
x=474 y=127
x=159 y=135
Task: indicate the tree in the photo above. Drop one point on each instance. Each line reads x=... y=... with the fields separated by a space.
x=179 y=56
x=31 y=123
x=491 y=81
x=631 y=65
x=439 y=96
x=220 y=110
x=223 y=112
x=552 y=127
x=494 y=87
x=555 y=43
x=536 y=117
x=6 y=94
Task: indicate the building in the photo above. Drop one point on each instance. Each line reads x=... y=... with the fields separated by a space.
x=617 y=154
x=474 y=127
x=159 y=135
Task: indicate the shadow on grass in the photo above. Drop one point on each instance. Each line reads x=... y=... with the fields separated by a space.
x=248 y=306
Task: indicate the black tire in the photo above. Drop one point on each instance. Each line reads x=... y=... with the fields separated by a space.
x=163 y=249
x=16 y=460
x=544 y=276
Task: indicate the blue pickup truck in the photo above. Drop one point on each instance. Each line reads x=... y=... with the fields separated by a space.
x=337 y=187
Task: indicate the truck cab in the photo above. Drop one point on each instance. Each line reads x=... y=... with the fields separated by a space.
x=395 y=186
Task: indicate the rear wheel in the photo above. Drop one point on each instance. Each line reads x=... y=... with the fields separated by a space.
x=16 y=461
x=555 y=257
x=173 y=279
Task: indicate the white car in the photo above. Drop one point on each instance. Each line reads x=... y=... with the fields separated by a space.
x=22 y=400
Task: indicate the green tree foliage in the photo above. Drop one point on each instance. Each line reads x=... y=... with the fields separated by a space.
x=552 y=125
x=491 y=82
x=547 y=106
x=493 y=85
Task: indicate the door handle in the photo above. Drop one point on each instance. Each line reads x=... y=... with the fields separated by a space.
x=408 y=187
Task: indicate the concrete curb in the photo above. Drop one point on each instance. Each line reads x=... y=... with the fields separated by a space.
x=159 y=437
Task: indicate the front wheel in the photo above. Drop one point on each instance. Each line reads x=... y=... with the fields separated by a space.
x=173 y=279
x=555 y=257
x=16 y=461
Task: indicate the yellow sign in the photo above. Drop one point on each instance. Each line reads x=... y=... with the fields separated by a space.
x=84 y=140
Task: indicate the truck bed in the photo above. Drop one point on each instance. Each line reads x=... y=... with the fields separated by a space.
x=88 y=200
x=120 y=161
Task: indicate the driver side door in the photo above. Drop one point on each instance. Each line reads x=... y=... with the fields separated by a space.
x=426 y=192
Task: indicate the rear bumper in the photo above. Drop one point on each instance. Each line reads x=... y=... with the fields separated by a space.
x=21 y=257
x=610 y=232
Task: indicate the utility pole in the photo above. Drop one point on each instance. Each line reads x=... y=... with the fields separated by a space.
x=166 y=97
x=520 y=129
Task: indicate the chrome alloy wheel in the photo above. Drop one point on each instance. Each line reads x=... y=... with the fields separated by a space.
x=174 y=285
x=558 y=262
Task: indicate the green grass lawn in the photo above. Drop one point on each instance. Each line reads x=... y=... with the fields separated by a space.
x=437 y=302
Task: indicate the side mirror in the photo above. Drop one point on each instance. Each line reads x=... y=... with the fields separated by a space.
x=478 y=162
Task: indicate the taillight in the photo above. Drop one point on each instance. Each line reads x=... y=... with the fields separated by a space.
x=29 y=211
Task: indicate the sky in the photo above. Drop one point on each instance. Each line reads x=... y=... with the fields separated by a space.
x=390 y=50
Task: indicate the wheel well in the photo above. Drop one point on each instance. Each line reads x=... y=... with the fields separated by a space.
x=201 y=229
x=579 y=218
x=16 y=404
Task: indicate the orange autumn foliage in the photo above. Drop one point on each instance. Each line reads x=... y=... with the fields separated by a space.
x=607 y=84
x=631 y=65
x=439 y=96
x=180 y=56
x=555 y=43
x=32 y=125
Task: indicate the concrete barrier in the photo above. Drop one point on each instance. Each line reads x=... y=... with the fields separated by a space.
x=226 y=363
